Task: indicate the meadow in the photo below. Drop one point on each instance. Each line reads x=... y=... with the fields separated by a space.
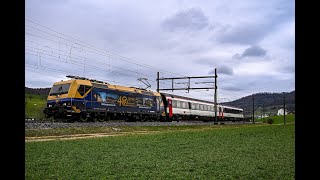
x=257 y=151
x=34 y=105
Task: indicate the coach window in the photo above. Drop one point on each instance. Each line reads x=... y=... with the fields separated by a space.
x=201 y=107
x=193 y=106
x=225 y=110
x=174 y=103
x=83 y=89
x=178 y=104
x=184 y=105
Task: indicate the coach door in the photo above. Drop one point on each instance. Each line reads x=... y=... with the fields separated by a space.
x=170 y=107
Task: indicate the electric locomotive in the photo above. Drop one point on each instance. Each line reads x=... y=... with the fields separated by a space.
x=91 y=100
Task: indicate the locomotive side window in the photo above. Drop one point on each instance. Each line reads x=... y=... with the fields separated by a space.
x=83 y=89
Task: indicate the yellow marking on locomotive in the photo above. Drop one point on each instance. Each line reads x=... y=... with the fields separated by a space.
x=75 y=83
x=55 y=97
x=75 y=109
x=122 y=100
x=73 y=89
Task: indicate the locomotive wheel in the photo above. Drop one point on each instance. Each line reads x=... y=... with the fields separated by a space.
x=95 y=117
x=107 y=118
x=101 y=118
x=83 y=117
x=47 y=115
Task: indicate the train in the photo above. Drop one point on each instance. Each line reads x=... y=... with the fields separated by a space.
x=83 y=99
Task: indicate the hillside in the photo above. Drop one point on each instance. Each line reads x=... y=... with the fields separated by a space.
x=270 y=102
x=37 y=91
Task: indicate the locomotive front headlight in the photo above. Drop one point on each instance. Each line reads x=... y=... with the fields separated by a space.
x=64 y=104
x=50 y=105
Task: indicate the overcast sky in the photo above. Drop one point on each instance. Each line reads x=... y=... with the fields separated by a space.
x=250 y=42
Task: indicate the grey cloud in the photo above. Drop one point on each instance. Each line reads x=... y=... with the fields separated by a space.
x=190 y=19
x=291 y=69
x=205 y=61
x=287 y=68
x=236 y=56
x=254 y=50
x=252 y=33
x=223 y=70
x=243 y=35
x=232 y=88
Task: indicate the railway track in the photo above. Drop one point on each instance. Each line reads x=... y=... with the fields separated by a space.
x=115 y=123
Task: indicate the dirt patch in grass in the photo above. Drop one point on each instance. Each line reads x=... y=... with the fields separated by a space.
x=82 y=136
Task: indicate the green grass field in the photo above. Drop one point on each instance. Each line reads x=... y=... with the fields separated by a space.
x=34 y=105
x=228 y=152
x=279 y=119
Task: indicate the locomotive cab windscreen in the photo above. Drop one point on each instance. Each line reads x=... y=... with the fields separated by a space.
x=59 y=89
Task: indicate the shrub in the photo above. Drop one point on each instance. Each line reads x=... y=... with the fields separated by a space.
x=270 y=120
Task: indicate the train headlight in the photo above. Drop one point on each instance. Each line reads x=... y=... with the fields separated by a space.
x=50 y=105
x=64 y=104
